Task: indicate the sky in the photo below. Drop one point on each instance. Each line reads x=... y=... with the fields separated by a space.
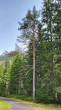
x=12 y=11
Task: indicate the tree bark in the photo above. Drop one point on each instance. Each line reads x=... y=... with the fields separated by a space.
x=33 y=65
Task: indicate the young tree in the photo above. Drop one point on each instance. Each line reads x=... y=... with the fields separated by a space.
x=2 y=81
x=7 y=75
x=15 y=75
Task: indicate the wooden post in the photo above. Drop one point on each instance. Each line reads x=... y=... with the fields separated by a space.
x=33 y=65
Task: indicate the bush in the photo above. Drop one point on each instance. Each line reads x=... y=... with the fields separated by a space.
x=44 y=96
x=2 y=89
x=29 y=99
x=22 y=97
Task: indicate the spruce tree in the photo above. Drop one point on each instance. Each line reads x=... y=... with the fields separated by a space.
x=15 y=74
x=57 y=43
x=7 y=75
x=48 y=67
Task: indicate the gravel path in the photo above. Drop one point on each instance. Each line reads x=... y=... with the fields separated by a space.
x=17 y=105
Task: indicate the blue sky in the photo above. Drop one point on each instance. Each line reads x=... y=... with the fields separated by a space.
x=12 y=11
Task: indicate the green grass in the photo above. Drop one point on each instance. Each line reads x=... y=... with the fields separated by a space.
x=4 y=105
x=44 y=106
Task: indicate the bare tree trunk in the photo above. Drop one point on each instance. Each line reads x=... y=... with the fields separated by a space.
x=7 y=89
x=33 y=65
x=56 y=96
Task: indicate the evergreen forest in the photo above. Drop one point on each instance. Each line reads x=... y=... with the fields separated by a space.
x=42 y=28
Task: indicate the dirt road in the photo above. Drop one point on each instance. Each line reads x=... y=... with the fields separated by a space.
x=17 y=105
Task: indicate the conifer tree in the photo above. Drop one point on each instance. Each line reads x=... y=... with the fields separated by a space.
x=29 y=28
x=7 y=75
x=48 y=67
x=15 y=74
x=57 y=44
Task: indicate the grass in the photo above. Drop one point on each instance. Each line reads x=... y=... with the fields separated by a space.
x=44 y=106
x=4 y=105
x=39 y=106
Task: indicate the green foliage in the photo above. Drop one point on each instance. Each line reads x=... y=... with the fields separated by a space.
x=2 y=89
x=21 y=97
x=18 y=74
x=2 y=82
